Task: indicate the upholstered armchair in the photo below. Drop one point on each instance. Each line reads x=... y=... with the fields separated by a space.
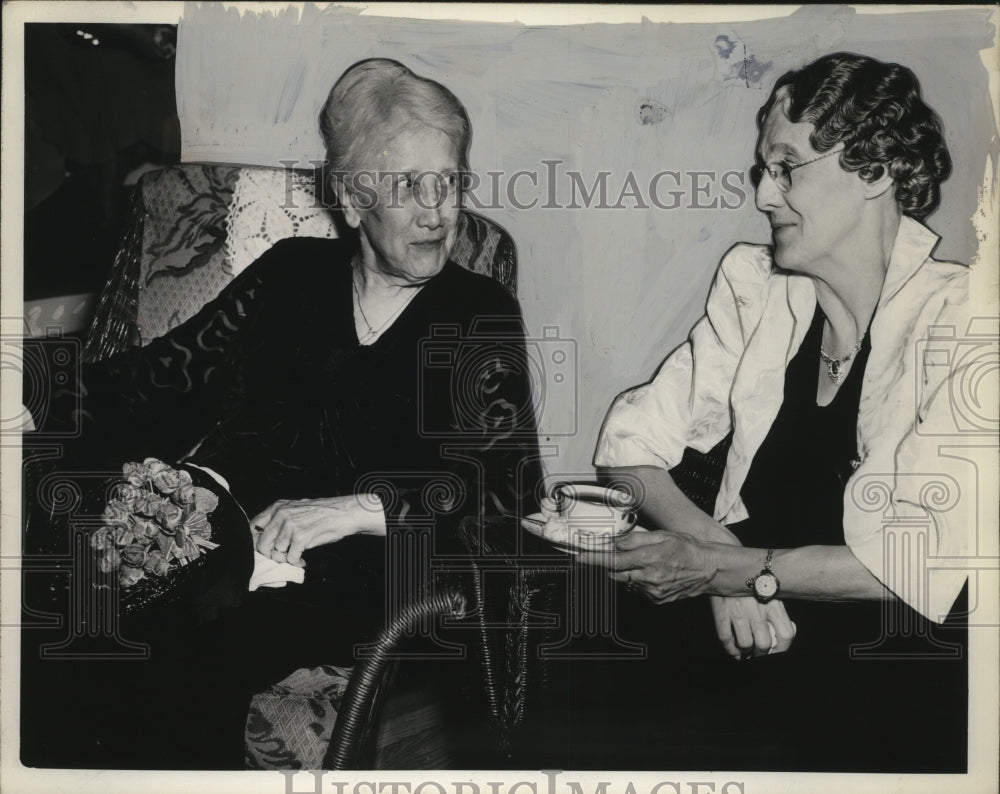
x=192 y=229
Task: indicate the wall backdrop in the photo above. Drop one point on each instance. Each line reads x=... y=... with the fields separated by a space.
x=662 y=114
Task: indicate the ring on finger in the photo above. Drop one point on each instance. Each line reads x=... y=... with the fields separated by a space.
x=629 y=584
x=282 y=544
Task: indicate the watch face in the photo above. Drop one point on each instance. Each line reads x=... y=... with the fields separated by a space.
x=766 y=585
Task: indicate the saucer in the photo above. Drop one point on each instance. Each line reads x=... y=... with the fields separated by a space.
x=573 y=539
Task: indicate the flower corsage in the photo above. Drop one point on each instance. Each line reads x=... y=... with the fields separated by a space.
x=155 y=522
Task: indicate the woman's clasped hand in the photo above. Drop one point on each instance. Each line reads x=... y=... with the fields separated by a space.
x=664 y=565
x=291 y=526
x=668 y=566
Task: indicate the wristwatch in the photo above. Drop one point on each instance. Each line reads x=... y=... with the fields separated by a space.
x=765 y=585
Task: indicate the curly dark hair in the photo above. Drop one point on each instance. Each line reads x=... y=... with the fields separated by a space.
x=876 y=109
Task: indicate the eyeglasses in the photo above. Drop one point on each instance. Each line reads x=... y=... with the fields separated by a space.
x=781 y=172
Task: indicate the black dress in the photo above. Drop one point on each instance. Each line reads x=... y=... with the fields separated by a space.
x=854 y=693
x=271 y=385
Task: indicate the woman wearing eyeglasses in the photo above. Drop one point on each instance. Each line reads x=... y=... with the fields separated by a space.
x=838 y=510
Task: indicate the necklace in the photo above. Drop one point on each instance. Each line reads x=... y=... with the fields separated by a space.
x=835 y=366
x=373 y=332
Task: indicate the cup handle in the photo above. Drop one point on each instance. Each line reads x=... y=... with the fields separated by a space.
x=631 y=519
x=558 y=496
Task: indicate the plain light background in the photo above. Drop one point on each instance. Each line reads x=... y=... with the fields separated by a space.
x=618 y=288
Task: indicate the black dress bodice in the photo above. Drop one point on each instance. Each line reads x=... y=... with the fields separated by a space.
x=794 y=491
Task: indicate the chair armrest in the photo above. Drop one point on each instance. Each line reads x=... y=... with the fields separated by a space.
x=363 y=699
x=113 y=327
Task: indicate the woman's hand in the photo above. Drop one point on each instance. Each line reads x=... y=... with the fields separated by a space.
x=746 y=627
x=290 y=526
x=666 y=566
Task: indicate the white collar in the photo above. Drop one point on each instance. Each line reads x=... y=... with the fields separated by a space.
x=914 y=243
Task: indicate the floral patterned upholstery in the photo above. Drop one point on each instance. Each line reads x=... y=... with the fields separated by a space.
x=205 y=224
x=183 y=264
x=290 y=725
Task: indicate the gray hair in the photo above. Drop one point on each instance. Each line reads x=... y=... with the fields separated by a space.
x=877 y=111
x=374 y=100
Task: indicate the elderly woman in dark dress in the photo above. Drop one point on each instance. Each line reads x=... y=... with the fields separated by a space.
x=809 y=354
x=301 y=386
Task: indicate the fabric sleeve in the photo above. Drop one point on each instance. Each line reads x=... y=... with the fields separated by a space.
x=160 y=400
x=911 y=517
x=687 y=403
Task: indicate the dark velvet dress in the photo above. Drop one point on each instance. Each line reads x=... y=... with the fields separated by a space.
x=269 y=386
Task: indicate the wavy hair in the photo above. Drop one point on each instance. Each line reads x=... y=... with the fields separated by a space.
x=374 y=100
x=876 y=110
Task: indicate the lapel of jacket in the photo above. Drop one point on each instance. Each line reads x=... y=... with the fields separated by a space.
x=888 y=360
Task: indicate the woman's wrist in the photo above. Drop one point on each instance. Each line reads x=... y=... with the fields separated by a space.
x=728 y=566
x=370 y=514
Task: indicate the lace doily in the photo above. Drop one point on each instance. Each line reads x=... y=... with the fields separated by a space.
x=270 y=204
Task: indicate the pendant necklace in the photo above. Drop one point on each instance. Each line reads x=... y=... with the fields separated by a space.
x=373 y=332
x=835 y=366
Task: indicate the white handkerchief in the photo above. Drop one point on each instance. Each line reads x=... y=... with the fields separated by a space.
x=271 y=573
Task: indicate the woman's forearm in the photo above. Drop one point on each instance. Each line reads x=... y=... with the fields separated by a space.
x=818 y=573
x=664 y=506
x=809 y=572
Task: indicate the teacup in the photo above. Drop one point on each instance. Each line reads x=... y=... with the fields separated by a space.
x=594 y=515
